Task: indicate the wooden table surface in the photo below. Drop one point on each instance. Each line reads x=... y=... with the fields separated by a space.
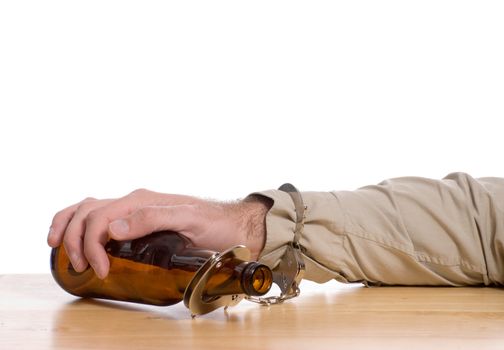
x=36 y=314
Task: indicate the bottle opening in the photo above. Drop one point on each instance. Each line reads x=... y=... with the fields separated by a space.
x=257 y=279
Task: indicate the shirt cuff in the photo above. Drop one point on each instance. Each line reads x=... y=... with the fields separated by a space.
x=322 y=239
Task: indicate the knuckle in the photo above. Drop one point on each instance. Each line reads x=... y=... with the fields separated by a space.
x=139 y=192
x=92 y=216
x=59 y=216
x=84 y=207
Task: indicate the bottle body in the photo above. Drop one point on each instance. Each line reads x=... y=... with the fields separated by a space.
x=156 y=269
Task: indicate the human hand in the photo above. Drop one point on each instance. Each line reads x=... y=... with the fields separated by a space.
x=85 y=227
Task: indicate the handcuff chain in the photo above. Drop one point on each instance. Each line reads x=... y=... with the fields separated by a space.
x=273 y=300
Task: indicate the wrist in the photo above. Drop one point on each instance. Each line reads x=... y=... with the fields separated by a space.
x=255 y=208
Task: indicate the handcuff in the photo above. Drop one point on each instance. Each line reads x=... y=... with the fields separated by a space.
x=287 y=274
x=290 y=270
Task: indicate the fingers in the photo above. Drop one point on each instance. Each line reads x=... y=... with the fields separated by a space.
x=95 y=238
x=179 y=218
x=59 y=225
x=84 y=227
x=74 y=233
x=97 y=223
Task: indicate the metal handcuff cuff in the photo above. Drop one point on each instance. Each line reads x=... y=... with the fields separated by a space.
x=290 y=271
x=287 y=274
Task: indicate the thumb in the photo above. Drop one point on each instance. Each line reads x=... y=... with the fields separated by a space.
x=151 y=219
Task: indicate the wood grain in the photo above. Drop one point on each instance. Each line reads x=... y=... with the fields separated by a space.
x=36 y=314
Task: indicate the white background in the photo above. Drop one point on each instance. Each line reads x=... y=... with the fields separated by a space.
x=222 y=98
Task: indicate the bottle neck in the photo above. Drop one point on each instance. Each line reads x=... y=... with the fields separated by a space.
x=239 y=277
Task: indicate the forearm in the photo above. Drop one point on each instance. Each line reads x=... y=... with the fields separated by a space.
x=411 y=231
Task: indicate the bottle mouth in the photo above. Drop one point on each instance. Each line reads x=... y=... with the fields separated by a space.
x=256 y=279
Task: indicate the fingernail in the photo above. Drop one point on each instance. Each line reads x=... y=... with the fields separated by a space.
x=120 y=227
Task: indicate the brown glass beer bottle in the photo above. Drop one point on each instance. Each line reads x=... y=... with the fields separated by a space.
x=157 y=269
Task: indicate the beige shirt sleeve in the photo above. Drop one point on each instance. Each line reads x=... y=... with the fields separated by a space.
x=403 y=231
